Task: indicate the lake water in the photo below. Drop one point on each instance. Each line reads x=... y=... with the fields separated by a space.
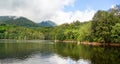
x=48 y=52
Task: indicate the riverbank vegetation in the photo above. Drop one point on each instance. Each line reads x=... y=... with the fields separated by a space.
x=16 y=32
x=103 y=28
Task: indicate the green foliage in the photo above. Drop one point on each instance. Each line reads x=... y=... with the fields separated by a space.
x=84 y=32
x=104 y=28
x=14 y=32
x=47 y=31
x=102 y=24
x=116 y=33
x=75 y=31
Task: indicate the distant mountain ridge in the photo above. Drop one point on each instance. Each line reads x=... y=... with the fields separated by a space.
x=17 y=21
x=47 y=24
x=115 y=9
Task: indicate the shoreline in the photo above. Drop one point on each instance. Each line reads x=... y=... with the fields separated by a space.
x=91 y=43
x=68 y=41
x=100 y=44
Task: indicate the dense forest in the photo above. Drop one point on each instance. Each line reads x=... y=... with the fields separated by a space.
x=16 y=32
x=104 y=28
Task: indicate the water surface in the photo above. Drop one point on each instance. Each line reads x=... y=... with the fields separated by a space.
x=48 y=52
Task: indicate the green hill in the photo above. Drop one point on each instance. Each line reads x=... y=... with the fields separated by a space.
x=17 y=21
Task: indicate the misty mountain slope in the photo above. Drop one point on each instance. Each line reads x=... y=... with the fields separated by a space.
x=17 y=21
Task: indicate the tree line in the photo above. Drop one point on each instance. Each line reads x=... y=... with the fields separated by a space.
x=103 y=28
x=17 y=32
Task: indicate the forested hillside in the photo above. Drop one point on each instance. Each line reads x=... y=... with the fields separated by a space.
x=17 y=21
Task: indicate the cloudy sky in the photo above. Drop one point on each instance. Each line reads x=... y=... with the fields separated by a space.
x=59 y=11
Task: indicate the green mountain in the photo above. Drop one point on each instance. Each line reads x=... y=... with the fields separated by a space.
x=17 y=21
x=47 y=24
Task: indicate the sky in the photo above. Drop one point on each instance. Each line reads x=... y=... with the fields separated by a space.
x=59 y=11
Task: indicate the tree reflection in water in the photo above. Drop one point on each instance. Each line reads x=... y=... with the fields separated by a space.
x=96 y=54
x=70 y=53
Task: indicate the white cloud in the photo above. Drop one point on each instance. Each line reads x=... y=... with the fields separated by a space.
x=39 y=10
x=83 y=16
x=68 y=17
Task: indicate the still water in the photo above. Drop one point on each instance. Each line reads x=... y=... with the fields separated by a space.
x=48 y=52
